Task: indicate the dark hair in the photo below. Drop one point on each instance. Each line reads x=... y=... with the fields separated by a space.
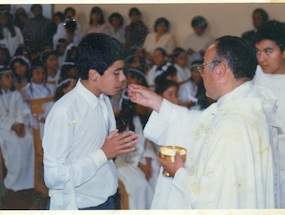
x=63 y=83
x=263 y=13
x=59 y=15
x=69 y=9
x=65 y=68
x=36 y=65
x=70 y=24
x=23 y=61
x=118 y=16
x=4 y=68
x=164 y=85
x=97 y=51
x=199 y=21
x=127 y=113
x=272 y=30
x=176 y=52
x=34 y=6
x=239 y=55
x=22 y=50
x=138 y=74
x=162 y=51
x=9 y=26
x=134 y=11
x=159 y=21
x=6 y=53
x=45 y=55
x=100 y=12
x=164 y=71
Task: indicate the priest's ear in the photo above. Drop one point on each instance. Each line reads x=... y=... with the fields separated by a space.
x=220 y=69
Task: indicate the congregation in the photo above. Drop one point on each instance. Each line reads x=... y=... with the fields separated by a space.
x=38 y=60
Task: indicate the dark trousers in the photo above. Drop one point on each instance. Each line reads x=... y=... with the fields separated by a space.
x=108 y=205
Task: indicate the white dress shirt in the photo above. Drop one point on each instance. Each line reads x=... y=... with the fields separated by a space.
x=76 y=170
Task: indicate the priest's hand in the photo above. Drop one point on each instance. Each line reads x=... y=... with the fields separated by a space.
x=172 y=167
x=119 y=143
x=144 y=96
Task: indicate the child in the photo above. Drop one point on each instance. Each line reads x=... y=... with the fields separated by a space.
x=188 y=91
x=198 y=42
x=96 y=21
x=69 y=69
x=81 y=139
x=16 y=140
x=179 y=59
x=168 y=89
x=116 y=29
x=20 y=68
x=159 y=59
x=165 y=72
x=49 y=58
x=38 y=87
x=135 y=169
x=65 y=84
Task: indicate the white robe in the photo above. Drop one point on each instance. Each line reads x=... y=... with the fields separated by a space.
x=139 y=190
x=229 y=160
x=166 y=42
x=276 y=83
x=10 y=42
x=18 y=153
x=183 y=73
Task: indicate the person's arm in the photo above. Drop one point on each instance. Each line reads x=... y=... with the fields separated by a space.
x=144 y=96
x=57 y=146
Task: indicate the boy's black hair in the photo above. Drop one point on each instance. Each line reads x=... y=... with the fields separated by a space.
x=98 y=51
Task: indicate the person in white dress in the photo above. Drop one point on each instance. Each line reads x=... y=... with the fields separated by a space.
x=229 y=162
x=188 y=91
x=270 y=45
x=96 y=21
x=49 y=58
x=179 y=60
x=197 y=42
x=135 y=168
x=10 y=36
x=116 y=28
x=16 y=140
x=160 y=58
x=37 y=88
x=160 y=38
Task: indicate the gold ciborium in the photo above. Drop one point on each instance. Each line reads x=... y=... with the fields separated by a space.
x=167 y=153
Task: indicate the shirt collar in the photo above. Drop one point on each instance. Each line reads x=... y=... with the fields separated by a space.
x=90 y=97
x=240 y=90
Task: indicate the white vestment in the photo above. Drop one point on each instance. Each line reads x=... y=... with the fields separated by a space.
x=18 y=152
x=139 y=189
x=229 y=161
x=276 y=83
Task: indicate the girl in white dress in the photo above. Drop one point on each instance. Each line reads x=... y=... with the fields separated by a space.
x=96 y=22
x=20 y=67
x=16 y=140
x=136 y=169
x=179 y=60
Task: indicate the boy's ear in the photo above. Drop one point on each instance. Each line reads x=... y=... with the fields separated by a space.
x=93 y=74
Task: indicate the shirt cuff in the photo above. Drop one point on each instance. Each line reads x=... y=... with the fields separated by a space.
x=99 y=158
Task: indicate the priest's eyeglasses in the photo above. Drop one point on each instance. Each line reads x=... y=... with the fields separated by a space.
x=200 y=68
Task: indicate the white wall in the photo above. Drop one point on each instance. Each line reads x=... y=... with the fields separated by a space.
x=223 y=18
